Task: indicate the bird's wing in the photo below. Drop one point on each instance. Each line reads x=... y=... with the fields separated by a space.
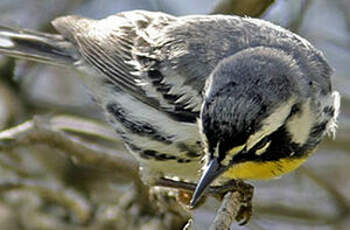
x=164 y=61
x=137 y=52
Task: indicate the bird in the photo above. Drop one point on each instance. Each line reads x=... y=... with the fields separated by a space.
x=198 y=98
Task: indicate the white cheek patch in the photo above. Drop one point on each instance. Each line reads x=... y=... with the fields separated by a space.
x=299 y=126
x=271 y=123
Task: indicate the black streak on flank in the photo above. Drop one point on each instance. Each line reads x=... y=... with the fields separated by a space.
x=188 y=151
x=318 y=129
x=182 y=160
x=329 y=110
x=151 y=154
x=179 y=112
x=141 y=128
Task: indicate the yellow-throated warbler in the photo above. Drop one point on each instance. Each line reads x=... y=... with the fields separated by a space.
x=250 y=98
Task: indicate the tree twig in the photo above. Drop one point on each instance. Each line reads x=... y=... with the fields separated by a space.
x=40 y=131
x=237 y=200
x=70 y=199
x=298 y=21
x=252 y=8
x=229 y=208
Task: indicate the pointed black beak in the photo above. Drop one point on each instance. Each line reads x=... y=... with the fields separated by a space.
x=213 y=170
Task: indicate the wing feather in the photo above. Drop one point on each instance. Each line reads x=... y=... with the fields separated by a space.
x=124 y=49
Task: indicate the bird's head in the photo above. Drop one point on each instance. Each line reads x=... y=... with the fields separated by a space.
x=257 y=109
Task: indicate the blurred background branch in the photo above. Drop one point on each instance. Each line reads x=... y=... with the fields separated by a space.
x=252 y=8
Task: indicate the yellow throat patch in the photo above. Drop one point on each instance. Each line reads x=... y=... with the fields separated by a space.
x=263 y=170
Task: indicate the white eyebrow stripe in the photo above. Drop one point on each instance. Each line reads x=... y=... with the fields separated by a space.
x=271 y=123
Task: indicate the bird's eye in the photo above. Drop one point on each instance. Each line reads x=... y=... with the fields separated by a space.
x=261 y=147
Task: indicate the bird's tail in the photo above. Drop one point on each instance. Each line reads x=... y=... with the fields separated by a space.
x=36 y=46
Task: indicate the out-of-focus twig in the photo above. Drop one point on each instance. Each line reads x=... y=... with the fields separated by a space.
x=40 y=131
x=295 y=213
x=252 y=8
x=84 y=126
x=295 y=24
x=343 y=208
x=49 y=131
x=70 y=199
x=314 y=217
x=33 y=219
x=344 y=6
x=10 y=106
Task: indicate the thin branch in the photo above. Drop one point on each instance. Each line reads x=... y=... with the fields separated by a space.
x=39 y=131
x=339 y=199
x=344 y=6
x=252 y=8
x=229 y=208
x=308 y=216
x=33 y=219
x=237 y=200
x=296 y=24
x=68 y=198
x=85 y=126
x=44 y=130
x=342 y=138
x=10 y=106
x=9 y=164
